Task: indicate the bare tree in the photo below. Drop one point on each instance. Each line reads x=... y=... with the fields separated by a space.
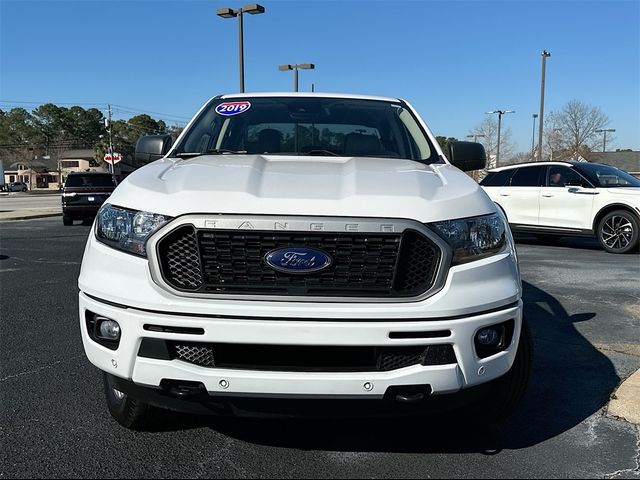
x=487 y=132
x=572 y=130
x=520 y=157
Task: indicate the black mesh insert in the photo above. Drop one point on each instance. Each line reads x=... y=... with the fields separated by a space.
x=309 y=358
x=180 y=260
x=364 y=264
x=418 y=263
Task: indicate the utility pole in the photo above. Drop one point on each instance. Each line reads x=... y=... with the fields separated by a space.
x=533 y=138
x=111 y=165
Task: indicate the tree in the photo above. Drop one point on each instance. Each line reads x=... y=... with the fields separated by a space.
x=444 y=142
x=125 y=134
x=50 y=129
x=572 y=130
x=19 y=138
x=520 y=157
x=175 y=131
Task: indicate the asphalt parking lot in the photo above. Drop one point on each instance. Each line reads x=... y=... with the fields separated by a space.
x=583 y=306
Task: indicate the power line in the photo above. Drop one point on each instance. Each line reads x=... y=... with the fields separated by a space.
x=136 y=110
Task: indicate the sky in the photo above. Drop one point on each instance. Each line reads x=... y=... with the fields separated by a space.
x=452 y=60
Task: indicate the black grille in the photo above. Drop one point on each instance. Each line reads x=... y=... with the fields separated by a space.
x=364 y=264
x=309 y=358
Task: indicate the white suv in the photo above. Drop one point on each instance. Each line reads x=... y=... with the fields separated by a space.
x=303 y=251
x=570 y=198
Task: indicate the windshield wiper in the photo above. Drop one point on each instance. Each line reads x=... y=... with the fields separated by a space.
x=321 y=152
x=219 y=151
x=214 y=151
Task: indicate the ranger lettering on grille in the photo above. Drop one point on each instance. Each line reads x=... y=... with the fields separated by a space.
x=284 y=225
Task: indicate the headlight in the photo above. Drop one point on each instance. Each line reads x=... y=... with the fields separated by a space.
x=127 y=230
x=474 y=238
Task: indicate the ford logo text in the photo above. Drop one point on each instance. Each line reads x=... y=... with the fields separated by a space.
x=298 y=260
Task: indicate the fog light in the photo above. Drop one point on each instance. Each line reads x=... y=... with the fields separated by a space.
x=488 y=337
x=108 y=329
x=493 y=339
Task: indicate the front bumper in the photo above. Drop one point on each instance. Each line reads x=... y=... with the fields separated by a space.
x=469 y=370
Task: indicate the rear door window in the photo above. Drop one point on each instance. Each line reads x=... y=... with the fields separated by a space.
x=528 y=177
x=497 y=179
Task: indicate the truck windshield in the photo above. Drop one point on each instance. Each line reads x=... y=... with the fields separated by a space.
x=308 y=126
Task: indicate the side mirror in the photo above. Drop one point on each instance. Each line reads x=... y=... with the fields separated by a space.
x=152 y=147
x=467 y=156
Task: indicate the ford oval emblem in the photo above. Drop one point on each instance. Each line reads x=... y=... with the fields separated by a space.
x=298 y=260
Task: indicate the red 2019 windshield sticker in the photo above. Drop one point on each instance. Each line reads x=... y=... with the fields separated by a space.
x=232 y=108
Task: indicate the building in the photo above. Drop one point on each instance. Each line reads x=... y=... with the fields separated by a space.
x=41 y=172
x=78 y=161
x=626 y=160
x=45 y=172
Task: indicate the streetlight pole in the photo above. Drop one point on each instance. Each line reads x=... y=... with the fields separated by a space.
x=500 y=113
x=604 y=143
x=253 y=9
x=304 y=66
x=533 y=137
x=545 y=54
x=475 y=136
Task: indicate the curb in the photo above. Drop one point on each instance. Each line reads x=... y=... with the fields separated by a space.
x=625 y=402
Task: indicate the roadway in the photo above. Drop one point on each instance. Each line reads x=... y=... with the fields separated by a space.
x=581 y=304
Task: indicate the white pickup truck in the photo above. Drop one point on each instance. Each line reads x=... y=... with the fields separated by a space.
x=309 y=253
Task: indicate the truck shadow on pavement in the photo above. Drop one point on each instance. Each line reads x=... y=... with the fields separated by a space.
x=571 y=381
x=582 y=243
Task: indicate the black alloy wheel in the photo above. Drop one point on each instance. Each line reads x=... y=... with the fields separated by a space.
x=618 y=232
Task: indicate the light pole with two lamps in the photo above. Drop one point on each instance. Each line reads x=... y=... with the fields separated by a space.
x=476 y=136
x=253 y=9
x=604 y=142
x=304 y=66
x=500 y=113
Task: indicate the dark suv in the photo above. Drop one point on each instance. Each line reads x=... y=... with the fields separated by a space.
x=84 y=193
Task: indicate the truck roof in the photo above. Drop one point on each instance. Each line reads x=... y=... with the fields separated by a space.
x=306 y=94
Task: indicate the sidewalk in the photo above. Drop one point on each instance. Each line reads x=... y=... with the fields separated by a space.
x=30 y=213
x=625 y=403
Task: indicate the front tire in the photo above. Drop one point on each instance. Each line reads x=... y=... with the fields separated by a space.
x=127 y=411
x=67 y=220
x=618 y=232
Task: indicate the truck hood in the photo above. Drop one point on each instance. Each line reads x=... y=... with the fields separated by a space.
x=311 y=186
